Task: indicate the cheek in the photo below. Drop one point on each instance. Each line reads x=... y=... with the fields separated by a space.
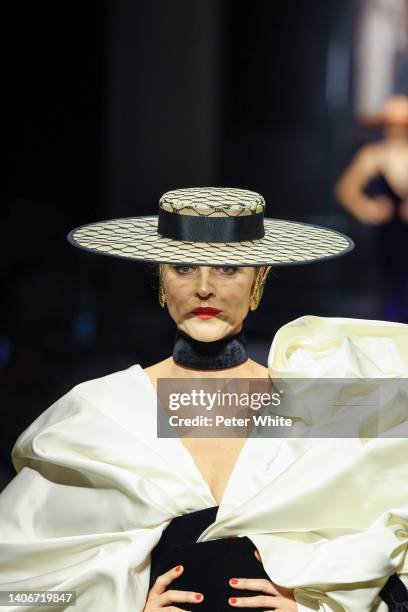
x=177 y=290
x=237 y=293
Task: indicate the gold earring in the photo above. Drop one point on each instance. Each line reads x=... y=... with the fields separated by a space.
x=162 y=294
x=258 y=288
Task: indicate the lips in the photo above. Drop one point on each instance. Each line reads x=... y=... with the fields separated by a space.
x=205 y=312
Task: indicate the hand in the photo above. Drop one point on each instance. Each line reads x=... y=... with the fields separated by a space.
x=375 y=211
x=403 y=211
x=158 y=598
x=276 y=598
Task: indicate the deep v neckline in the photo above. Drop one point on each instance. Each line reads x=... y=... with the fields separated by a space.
x=179 y=446
x=232 y=475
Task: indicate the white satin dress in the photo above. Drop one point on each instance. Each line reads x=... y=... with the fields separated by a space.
x=96 y=488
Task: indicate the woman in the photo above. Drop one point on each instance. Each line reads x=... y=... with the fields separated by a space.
x=130 y=520
x=374 y=189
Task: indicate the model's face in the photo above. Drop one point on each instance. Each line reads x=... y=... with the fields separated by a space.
x=226 y=288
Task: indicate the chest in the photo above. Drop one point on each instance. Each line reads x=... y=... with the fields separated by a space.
x=215 y=459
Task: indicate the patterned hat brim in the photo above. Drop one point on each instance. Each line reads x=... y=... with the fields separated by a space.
x=285 y=243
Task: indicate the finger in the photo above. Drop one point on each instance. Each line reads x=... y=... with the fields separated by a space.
x=254 y=584
x=258 y=601
x=174 y=596
x=163 y=581
x=257 y=555
x=172 y=609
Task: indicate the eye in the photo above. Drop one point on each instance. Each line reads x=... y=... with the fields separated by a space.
x=228 y=270
x=182 y=269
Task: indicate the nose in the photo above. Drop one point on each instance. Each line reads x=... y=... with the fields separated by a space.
x=205 y=287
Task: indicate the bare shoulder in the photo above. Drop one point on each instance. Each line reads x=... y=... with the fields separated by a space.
x=158 y=370
x=158 y=367
x=370 y=155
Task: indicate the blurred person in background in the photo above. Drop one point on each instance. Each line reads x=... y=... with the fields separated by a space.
x=374 y=189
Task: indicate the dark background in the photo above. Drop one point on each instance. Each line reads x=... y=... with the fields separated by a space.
x=110 y=104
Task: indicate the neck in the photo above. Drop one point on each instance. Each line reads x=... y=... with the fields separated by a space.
x=218 y=355
x=397 y=137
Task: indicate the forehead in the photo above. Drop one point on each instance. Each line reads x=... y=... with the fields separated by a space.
x=215 y=267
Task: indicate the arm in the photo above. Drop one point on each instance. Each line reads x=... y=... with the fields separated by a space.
x=349 y=189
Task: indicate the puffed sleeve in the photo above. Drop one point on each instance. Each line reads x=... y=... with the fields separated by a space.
x=357 y=488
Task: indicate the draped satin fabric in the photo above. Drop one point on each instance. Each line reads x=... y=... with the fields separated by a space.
x=96 y=488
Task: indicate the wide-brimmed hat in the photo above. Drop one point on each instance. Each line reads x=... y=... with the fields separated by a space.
x=211 y=226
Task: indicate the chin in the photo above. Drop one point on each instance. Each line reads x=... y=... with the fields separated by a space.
x=206 y=331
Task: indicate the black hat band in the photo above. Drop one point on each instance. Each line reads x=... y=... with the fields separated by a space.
x=200 y=228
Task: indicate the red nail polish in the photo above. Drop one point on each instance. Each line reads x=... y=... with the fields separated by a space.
x=233 y=600
x=178 y=568
x=198 y=596
x=234 y=581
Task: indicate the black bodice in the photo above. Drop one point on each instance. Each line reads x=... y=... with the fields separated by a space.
x=208 y=566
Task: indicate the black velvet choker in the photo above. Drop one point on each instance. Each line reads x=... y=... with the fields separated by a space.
x=217 y=355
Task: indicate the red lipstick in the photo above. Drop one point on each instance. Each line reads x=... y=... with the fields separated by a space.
x=205 y=312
